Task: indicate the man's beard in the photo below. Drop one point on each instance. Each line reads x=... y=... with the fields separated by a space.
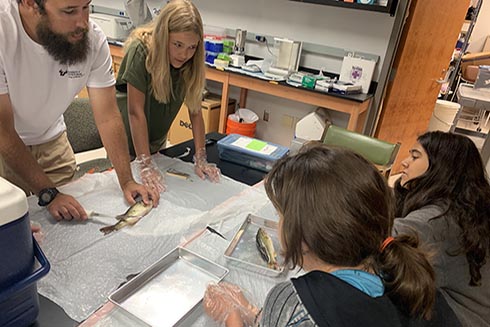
x=58 y=45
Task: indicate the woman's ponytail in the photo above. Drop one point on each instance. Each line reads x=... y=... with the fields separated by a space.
x=408 y=275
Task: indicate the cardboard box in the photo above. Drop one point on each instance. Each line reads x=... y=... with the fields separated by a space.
x=181 y=129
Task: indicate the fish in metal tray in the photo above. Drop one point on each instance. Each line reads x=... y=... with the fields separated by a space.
x=130 y=217
x=266 y=248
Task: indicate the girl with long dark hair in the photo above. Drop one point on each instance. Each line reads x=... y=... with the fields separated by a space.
x=444 y=195
x=335 y=222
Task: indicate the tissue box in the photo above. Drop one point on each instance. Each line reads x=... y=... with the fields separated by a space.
x=250 y=152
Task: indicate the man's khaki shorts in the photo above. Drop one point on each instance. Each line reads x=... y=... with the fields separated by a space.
x=55 y=157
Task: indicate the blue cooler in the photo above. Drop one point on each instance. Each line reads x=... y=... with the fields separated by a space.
x=19 y=271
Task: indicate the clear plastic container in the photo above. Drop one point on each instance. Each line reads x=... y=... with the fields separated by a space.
x=250 y=152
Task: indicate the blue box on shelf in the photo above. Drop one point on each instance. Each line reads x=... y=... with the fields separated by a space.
x=210 y=56
x=19 y=302
x=250 y=152
x=213 y=45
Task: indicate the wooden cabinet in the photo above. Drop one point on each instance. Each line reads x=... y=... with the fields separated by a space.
x=389 y=8
x=425 y=48
x=117 y=54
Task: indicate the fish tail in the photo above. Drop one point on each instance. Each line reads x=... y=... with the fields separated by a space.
x=273 y=265
x=108 y=229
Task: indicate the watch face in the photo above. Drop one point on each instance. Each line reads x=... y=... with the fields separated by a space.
x=47 y=195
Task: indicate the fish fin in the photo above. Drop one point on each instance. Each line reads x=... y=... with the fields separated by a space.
x=121 y=217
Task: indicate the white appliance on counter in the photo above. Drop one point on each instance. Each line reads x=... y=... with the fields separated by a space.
x=309 y=128
x=114 y=27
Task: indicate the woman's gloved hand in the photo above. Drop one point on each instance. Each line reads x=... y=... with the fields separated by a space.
x=225 y=301
x=149 y=173
x=203 y=168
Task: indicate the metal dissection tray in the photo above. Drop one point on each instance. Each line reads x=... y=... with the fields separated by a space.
x=165 y=293
x=243 y=251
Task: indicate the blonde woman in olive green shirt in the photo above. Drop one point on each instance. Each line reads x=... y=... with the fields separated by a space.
x=162 y=68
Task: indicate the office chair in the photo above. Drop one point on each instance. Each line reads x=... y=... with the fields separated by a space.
x=382 y=154
x=84 y=136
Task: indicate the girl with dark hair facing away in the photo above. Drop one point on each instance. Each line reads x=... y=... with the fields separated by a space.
x=444 y=195
x=162 y=68
x=335 y=221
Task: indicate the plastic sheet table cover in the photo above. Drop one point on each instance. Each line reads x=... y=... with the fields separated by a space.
x=87 y=266
x=227 y=218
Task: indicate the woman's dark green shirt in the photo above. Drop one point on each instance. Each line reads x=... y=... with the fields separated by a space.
x=159 y=116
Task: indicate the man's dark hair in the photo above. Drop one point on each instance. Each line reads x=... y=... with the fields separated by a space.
x=40 y=5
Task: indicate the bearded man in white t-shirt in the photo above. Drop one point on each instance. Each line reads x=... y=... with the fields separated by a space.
x=49 y=51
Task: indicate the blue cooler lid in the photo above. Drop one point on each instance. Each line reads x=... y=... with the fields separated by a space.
x=13 y=202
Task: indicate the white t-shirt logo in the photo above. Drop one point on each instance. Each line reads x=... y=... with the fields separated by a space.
x=71 y=73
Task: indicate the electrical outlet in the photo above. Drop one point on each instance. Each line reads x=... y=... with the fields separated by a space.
x=266 y=116
x=260 y=38
x=287 y=121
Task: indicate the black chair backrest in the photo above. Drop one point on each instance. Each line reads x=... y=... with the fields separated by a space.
x=80 y=126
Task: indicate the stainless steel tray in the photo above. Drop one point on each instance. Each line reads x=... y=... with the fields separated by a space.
x=166 y=292
x=243 y=251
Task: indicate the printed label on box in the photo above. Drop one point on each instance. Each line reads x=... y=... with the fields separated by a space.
x=254 y=145
x=358 y=71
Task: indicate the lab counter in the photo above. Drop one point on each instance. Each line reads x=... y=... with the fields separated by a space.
x=355 y=106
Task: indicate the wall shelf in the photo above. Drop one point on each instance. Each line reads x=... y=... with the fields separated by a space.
x=389 y=8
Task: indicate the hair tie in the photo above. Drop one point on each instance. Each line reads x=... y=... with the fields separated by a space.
x=386 y=242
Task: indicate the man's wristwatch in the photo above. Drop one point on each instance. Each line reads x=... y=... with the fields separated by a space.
x=47 y=195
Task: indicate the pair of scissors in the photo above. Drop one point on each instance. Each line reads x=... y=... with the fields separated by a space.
x=214 y=231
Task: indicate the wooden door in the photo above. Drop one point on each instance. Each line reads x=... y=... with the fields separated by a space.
x=423 y=55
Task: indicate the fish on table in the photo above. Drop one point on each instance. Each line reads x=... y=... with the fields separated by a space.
x=175 y=173
x=266 y=248
x=130 y=217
